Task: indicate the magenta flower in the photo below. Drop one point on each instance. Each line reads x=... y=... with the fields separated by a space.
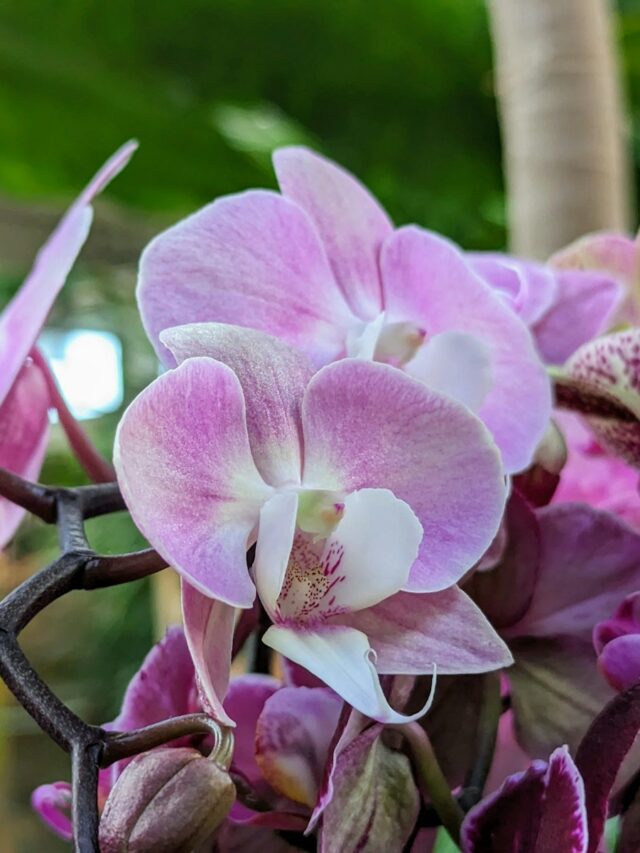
x=617 y=643
x=25 y=385
x=360 y=487
x=564 y=308
x=321 y=267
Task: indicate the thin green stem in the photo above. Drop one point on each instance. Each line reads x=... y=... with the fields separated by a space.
x=431 y=779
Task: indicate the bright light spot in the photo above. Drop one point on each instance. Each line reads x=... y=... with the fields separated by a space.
x=88 y=367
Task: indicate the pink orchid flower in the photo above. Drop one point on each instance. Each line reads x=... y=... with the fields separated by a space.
x=27 y=390
x=367 y=495
x=322 y=267
x=564 y=308
x=617 y=643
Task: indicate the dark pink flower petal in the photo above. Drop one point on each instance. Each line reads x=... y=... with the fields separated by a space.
x=244 y=702
x=427 y=280
x=602 y=752
x=580 y=547
x=619 y=662
x=368 y=425
x=292 y=740
x=251 y=258
x=273 y=378
x=24 y=429
x=53 y=803
x=410 y=631
x=208 y=627
x=540 y=810
x=351 y=223
x=185 y=468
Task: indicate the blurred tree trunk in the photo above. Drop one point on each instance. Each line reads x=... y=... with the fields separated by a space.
x=563 y=126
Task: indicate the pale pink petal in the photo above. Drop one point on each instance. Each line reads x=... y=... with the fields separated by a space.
x=427 y=281
x=23 y=437
x=250 y=259
x=292 y=739
x=456 y=364
x=372 y=548
x=208 y=627
x=584 y=307
x=343 y=659
x=580 y=547
x=273 y=549
x=368 y=425
x=411 y=632
x=273 y=378
x=530 y=288
x=351 y=223
x=25 y=315
x=53 y=804
x=187 y=475
x=608 y=251
x=244 y=703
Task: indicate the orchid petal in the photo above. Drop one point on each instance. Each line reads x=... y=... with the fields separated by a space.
x=368 y=425
x=24 y=430
x=584 y=307
x=619 y=661
x=53 y=803
x=25 y=315
x=244 y=702
x=273 y=548
x=536 y=811
x=530 y=287
x=579 y=547
x=373 y=548
x=607 y=251
x=208 y=628
x=427 y=280
x=253 y=256
x=342 y=658
x=163 y=686
x=350 y=222
x=410 y=632
x=456 y=364
x=292 y=739
x=187 y=475
x=273 y=378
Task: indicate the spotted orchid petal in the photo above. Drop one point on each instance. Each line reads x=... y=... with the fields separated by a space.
x=292 y=739
x=254 y=256
x=610 y=364
x=208 y=628
x=455 y=364
x=409 y=631
x=25 y=315
x=185 y=468
x=350 y=221
x=343 y=659
x=427 y=279
x=273 y=378
x=368 y=425
x=23 y=437
x=539 y=810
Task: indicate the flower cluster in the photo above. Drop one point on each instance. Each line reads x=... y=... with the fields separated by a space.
x=411 y=472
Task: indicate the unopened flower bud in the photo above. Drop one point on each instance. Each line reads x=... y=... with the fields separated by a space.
x=167 y=801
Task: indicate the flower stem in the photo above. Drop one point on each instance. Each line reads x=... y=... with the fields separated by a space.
x=431 y=779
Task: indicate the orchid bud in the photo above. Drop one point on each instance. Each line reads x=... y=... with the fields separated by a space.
x=617 y=644
x=167 y=801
